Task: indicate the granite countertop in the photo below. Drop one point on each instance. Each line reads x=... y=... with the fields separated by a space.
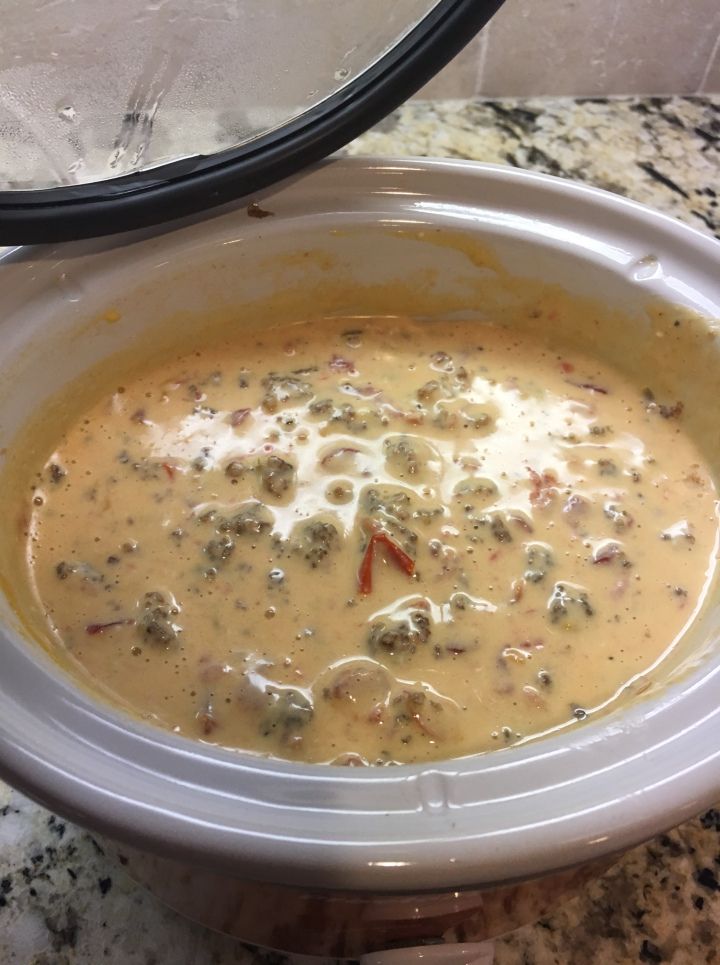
x=63 y=902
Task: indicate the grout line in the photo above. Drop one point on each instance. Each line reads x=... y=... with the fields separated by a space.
x=578 y=95
x=482 y=58
x=714 y=54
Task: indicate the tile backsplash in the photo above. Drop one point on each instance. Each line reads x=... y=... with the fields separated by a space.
x=589 y=47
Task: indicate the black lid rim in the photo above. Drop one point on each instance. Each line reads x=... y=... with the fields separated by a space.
x=192 y=185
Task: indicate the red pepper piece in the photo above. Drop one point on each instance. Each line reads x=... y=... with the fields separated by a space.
x=543 y=488
x=339 y=364
x=169 y=470
x=94 y=628
x=590 y=386
x=365 y=571
x=403 y=560
x=239 y=416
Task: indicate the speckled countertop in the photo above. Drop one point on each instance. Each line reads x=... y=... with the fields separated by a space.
x=662 y=151
x=63 y=902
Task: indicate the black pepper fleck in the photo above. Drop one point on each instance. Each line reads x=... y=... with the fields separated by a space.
x=105 y=884
x=650 y=952
x=711 y=819
x=707 y=879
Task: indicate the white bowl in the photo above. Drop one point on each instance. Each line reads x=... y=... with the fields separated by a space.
x=588 y=791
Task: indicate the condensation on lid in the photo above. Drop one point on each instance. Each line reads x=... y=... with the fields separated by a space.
x=92 y=90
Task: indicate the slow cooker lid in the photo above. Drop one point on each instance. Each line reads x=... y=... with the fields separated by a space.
x=123 y=115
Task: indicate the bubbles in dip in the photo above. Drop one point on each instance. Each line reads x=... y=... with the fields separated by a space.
x=374 y=542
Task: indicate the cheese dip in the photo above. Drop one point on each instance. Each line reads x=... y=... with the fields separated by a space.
x=371 y=542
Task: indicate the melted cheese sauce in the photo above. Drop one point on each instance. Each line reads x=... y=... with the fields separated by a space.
x=375 y=542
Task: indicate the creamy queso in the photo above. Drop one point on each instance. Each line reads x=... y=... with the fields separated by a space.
x=372 y=541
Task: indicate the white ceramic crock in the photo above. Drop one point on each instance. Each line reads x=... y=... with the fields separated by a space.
x=585 y=793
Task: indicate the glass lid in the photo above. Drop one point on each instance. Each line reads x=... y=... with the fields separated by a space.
x=115 y=115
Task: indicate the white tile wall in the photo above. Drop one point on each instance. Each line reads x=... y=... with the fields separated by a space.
x=589 y=47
